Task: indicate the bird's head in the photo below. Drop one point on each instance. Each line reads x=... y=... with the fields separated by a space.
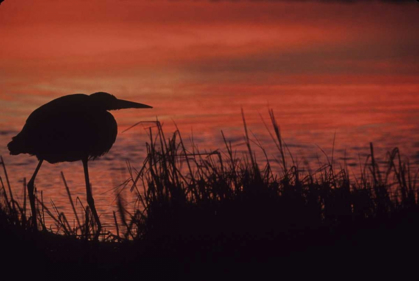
x=110 y=102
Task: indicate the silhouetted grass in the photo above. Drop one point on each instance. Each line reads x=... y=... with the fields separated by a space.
x=183 y=192
x=216 y=211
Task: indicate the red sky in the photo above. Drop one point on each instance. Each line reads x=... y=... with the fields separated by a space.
x=194 y=58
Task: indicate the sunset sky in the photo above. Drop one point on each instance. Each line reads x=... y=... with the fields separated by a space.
x=199 y=62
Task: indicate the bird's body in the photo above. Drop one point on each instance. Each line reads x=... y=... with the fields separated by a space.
x=70 y=128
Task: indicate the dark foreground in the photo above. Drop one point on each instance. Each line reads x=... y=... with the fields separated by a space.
x=368 y=250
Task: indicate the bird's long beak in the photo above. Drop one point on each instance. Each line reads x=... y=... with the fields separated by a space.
x=121 y=104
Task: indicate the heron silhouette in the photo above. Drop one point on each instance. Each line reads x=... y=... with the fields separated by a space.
x=70 y=128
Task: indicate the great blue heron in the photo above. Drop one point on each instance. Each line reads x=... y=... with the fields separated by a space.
x=70 y=128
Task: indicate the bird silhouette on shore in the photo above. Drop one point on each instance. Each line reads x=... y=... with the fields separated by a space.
x=70 y=128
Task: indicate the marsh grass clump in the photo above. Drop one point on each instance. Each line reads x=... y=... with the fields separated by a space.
x=188 y=197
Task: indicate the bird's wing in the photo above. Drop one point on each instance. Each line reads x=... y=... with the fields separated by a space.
x=57 y=124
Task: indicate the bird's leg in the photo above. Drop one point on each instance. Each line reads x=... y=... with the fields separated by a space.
x=90 y=200
x=31 y=194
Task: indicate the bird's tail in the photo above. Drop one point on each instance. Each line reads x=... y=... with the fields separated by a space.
x=16 y=146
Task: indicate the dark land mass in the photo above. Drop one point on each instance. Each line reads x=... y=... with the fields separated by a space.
x=375 y=249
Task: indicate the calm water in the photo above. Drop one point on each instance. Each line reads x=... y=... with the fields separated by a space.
x=309 y=123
